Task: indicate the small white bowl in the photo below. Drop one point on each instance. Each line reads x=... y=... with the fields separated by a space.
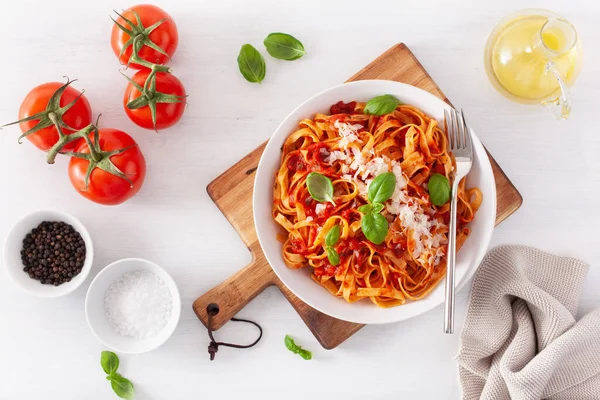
x=14 y=245
x=96 y=317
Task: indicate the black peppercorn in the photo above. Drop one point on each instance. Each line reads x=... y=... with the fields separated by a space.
x=53 y=253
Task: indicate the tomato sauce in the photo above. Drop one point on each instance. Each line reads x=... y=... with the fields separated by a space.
x=351 y=215
x=343 y=108
x=298 y=247
x=401 y=140
x=296 y=163
x=318 y=153
x=439 y=169
x=399 y=248
x=323 y=215
x=326 y=270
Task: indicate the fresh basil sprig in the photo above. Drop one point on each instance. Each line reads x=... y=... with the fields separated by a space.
x=439 y=189
x=374 y=225
x=381 y=105
x=251 y=64
x=294 y=348
x=120 y=385
x=320 y=187
x=331 y=239
x=284 y=46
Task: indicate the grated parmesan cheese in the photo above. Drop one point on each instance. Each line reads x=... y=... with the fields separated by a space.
x=319 y=208
x=348 y=132
x=336 y=155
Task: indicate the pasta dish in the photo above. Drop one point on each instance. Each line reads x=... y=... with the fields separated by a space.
x=363 y=202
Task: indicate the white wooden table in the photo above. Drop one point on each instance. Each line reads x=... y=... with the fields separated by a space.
x=46 y=348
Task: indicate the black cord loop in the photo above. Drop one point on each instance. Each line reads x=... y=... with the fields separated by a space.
x=213 y=309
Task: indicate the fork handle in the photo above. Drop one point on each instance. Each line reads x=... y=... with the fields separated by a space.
x=450 y=263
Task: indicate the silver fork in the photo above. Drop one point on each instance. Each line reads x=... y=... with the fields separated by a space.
x=461 y=145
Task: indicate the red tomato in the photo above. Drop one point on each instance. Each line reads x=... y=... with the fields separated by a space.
x=104 y=187
x=296 y=162
x=167 y=114
x=79 y=116
x=164 y=36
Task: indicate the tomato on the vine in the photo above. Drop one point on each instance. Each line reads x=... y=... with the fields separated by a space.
x=117 y=167
x=156 y=30
x=158 y=106
x=55 y=98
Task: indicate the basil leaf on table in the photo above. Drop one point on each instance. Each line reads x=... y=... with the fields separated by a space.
x=375 y=227
x=251 y=64
x=382 y=187
x=439 y=189
x=109 y=362
x=381 y=105
x=122 y=387
x=320 y=187
x=333 y=256
x=289 y=343
x=294 y=348
x=284 y=47
x=332 y=236
x=307 y=355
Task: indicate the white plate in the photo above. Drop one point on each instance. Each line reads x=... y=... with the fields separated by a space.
x=299 y=281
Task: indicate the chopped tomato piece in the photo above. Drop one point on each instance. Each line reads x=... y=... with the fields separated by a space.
x=439 y=169
x=318 y=152
x=296 y=163
x=343 y=108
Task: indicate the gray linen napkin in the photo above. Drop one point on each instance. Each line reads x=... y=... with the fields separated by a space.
x=520 y=339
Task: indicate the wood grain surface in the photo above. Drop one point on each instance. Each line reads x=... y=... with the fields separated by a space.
x=232 y=193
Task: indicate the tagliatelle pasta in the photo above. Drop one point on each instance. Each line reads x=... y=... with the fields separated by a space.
x=352 y=148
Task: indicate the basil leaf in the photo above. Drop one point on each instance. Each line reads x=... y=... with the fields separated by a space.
x=377 y=208
x=366 y=209
x=289 y=343
x=294 y=348
x=251 y=64
x=381 y=105
x=332 y=236
x=375 y=227
x=307 y=355
x=333 y=256
x=439 y=189
x=320 y=187
x=122 y=387
x=382 y=187
x=109 y=362
x=284 y=46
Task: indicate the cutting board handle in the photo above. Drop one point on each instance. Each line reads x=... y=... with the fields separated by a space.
x=234 y=293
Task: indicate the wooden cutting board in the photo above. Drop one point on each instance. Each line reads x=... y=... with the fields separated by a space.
x=232 y=193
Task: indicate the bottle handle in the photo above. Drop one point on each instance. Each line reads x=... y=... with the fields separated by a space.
x=560 y=106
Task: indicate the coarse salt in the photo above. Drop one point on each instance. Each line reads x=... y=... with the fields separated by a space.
x=138 y=304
